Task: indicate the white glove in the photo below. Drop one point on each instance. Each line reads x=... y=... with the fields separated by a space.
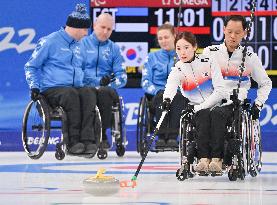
x=197 y=108
x=242 y=95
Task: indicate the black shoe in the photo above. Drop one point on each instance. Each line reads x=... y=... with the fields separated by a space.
x=91 y=149
x=160 y=143
x=77 y=148
x=106 y=144
x=172 y=143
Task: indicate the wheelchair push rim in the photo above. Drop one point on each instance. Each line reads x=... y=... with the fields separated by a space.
x=35 y=129
x=143 y=127
x=255 y=147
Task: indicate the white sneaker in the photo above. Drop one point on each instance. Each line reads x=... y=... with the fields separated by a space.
x=215 y=165
x=203 y=165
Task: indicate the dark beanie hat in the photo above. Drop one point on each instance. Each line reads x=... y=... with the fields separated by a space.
x=79 y=18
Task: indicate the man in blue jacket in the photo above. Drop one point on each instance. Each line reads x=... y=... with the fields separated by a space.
x=55 y=71
x=104 y=67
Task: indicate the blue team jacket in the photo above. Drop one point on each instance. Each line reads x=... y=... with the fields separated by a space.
x=55 y=62
x=103 y=58
x=156 y=69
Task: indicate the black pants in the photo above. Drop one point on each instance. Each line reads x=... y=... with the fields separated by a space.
x=107 y=97
x=170 y=126
x=79 y=105
x=220 y=118
x=202 y=124
x=211 y=128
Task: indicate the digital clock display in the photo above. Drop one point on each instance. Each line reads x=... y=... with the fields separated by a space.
x=136 y=24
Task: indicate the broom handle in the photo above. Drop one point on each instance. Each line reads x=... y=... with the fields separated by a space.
x=149 y=145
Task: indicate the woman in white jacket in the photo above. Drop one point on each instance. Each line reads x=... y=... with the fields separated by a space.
x=201 y=81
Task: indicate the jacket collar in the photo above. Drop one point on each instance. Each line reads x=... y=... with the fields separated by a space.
x=193 y=59
x=95 y=40
x=66 y=36
x=171 y=53
x=224 y=47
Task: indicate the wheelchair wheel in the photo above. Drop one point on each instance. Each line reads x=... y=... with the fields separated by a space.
x=102 y=154
x=120 y=150
x=59 y=154
x=255 y=148
x=245 y=133
x=143 y=149
x=183 y=140
x=233 y=175
x=36 y=128
x=187 y=145
x=97 y=127
x=181 y=175
x=143 y=126
x=118 y=130
x=239 y=145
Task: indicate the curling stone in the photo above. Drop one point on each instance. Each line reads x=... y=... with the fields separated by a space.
x=101 y=185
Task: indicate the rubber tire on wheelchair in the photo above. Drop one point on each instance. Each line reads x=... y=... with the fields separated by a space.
x=233 y=175
x=143 y=149
x=253 y=172
x=242 y=174
x=120 y=150
x=59 y=154
x=181 y=176
x=38 y=153
x=102 y=154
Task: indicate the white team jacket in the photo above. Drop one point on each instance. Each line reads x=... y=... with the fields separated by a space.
x=200 y=81
x=230 y=70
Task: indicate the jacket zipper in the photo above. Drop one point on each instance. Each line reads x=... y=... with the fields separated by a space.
x=227 y=69
x=167 y=65
x=72 y=55
x=97 y=58
x=197 y=84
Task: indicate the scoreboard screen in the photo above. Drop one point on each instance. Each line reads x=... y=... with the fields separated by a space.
x=263 y=36
x=136 y=23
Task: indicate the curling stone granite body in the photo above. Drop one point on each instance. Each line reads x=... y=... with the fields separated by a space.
x=101 y=186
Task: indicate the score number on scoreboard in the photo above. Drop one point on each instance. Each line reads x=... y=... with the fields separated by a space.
x=263 y=37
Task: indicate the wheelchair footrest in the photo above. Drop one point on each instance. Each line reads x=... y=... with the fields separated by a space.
x=214 y=174
x=203 y=173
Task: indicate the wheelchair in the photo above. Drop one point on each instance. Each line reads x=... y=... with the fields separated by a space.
x=145 y=128
x=40 y=120
x=117 y=131
x=243 y=139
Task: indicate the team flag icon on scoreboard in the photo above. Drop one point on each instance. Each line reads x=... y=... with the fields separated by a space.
x=134 y=53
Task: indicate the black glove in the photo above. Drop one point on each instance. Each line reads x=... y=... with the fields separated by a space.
x=160 y=93
x=188 y=112
x=34 y=94
x=107 y=79
x=190 y=109
x=166 y=104
x=255 y=111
